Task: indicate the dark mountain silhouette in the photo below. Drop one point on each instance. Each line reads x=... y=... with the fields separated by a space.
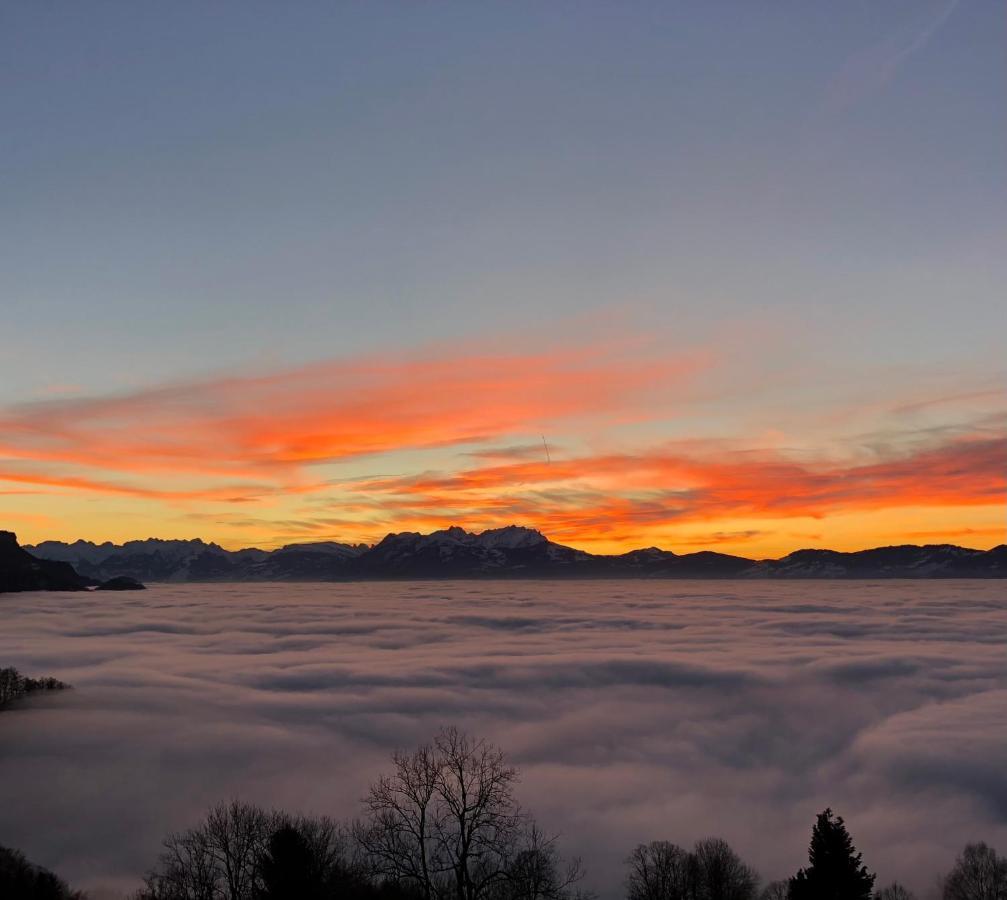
x=511 y=552
x=905 y=561
x=20 y=571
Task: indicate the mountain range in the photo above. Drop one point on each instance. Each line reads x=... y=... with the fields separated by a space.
x=510 y=552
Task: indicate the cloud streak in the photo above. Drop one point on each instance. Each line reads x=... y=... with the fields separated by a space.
x=279 y=423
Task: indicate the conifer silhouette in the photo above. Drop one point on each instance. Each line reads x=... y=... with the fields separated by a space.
x=836 y=871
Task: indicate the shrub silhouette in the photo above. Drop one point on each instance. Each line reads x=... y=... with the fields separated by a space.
x=836 y=871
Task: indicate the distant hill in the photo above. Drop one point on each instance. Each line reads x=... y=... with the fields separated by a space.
x=510 y=552
x=20 y=571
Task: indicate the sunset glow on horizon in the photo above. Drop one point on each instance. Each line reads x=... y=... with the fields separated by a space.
x=605 y=447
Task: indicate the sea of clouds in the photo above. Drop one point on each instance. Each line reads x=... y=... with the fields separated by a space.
x=635 y=711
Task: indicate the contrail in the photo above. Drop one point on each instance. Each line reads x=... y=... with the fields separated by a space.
x=548 y=458
x=870 y=70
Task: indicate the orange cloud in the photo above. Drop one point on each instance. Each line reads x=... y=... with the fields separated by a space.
x=272 y=426
x=225 y=494
x=259 y=440
x=584 y=498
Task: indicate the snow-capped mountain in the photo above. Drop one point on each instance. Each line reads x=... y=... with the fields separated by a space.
x=454 y=552
x=510 y=552
x=905 y=561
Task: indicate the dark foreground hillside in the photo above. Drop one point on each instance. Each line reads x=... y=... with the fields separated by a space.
x=20 y=571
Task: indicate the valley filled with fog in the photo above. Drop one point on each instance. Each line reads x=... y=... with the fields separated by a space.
x=634 y=710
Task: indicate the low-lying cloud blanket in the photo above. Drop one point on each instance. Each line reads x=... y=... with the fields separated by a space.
x=635 y=711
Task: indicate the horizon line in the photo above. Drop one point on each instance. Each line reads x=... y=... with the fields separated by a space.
x=371 y=544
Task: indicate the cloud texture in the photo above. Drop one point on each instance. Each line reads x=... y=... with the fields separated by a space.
x=635 y=711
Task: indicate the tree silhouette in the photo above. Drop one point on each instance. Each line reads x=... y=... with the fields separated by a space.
x=836 y=871
x=216 y=860
x=288 y=868
x=243 y=852
x=776 y=890
x=659 y=870
x=712 y=871
x=894 y=891
x=446 y=824
x=979 y=874
x=20 y=880
x=14 y=685
x=719 y=873
x=536 y=871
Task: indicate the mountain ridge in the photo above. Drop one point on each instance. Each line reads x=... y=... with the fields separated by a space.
x=512 y=551
x=21 y=571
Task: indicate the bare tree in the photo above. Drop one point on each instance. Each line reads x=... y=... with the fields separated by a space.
x=185 y=870
x=216 y=860
x=537 y=872
x=236 y=835
x=979 y=874
x=719 y=873
x=400 y=837
x=711 y=871
x=776 y=890
x=894 y=891
x=446 y=821
x=659 y=870
x=330 y=845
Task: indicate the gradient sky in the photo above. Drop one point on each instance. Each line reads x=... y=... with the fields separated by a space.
x=311 y=271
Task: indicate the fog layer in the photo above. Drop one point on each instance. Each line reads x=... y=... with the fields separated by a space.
x=635 y=711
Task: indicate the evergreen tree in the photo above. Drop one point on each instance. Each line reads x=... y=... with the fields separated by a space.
x=289 y=869
x=836 y=871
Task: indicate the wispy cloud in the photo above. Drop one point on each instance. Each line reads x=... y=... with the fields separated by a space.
x=583 y=497
x=272 y=444
x=870 y=70
x=275 y=425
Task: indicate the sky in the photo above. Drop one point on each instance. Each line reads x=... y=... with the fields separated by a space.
x=693 y=275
